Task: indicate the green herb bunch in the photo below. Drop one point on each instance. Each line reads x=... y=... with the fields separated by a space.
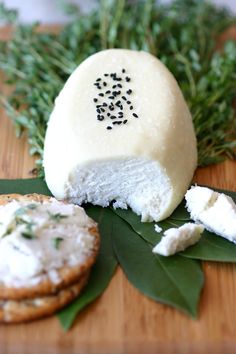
x=182 y=34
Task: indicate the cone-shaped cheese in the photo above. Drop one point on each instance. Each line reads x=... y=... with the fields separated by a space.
x=121 y=131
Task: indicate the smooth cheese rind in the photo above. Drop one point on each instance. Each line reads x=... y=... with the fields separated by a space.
x=164 y=132
x=178 y=239
x=216 y=211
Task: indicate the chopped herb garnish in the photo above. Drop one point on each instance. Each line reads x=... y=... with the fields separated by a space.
x=24 y=209
x=32 y=206
x=20 y=211
x=56 y=242
x=29 y=235
x=57 y=217
x=29 y=224
x=9 y=230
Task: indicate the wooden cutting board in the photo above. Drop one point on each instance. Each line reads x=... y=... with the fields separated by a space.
x=122 y=320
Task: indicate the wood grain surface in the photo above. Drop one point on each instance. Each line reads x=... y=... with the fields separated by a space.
x=122 y=320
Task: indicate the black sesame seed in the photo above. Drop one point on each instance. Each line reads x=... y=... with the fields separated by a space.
x=135 y=115
x=128 y=102
x=111 y=97
x=113 y=117
x=114 y=86
x=107 y=92
x=118 y=79
x=106 y=74
x=98 y=110
x=99 y=79
x=102 y=109
x=121 y=113
x=104 y=83
x=95 y=100
x=123 y=71
x=114 y=93
x=101 y=94
x=127 y=79
x=129 y=91
x=125 y=121
x=119 y=85
x=100 y=118
x=108 y=114
x=121 y=107
x=124 y=98
x=118 y=103
x=131 y=108
x=109 y=128
x=98 y=105
x=111 y=108
x=104 y=104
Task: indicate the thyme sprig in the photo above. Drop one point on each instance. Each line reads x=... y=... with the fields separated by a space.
x=182 y=34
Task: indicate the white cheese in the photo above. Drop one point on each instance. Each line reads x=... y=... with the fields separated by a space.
x=147 y=162
x=157 y=228
x=178 y=239
x=216 y=211
x=38 y=238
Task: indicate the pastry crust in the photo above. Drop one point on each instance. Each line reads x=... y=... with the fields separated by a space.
x=12 y=311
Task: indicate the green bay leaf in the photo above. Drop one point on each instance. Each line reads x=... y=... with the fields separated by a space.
x=147 y=229
x=24 y=186
x=175 y=281
x=102 y=270
x=211 y=247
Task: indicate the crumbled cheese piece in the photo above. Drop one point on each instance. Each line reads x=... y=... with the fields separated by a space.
x=216 y=211
x=178 y=239
x=157 y=228
x=28 y=240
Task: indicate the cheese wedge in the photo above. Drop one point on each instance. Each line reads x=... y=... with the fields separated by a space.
x=178 y=239
x=216 y=211
x=121 y=132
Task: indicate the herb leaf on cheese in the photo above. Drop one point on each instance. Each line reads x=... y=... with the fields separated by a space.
x=57 y=217
x=9 y=230
x=28 y=235
x=57 y=241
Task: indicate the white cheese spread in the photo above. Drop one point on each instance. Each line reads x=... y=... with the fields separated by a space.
x=36 y=239
x=216 y=211
x=157 y=228
x=178 y=239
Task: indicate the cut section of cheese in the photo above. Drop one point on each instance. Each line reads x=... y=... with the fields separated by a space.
x=216 y=211
x=178 y=239
x=121 y=132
